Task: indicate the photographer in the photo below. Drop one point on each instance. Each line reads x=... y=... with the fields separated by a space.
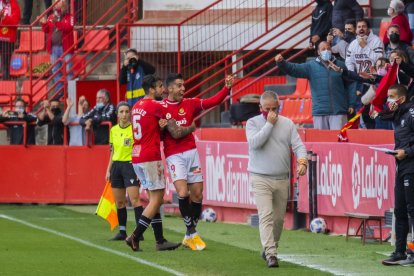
x=16 y=131
x=132 y=72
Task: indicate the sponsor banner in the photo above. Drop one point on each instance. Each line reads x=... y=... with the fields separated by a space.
x=226 y=179
x=350 y=178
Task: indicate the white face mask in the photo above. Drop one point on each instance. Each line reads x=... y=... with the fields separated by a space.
x=390 y=11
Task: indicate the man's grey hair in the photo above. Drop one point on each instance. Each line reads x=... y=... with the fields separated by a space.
x=105 y=92
x=269 y=95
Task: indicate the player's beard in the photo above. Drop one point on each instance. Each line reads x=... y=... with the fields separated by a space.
x=158 y=98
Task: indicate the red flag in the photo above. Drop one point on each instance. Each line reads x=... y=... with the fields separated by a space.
x=352 y=123
x=382 y=89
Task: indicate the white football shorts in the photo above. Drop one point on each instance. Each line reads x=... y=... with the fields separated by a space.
x=151 y=175
x=185 y=166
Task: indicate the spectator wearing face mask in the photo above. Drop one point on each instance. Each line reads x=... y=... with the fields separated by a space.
x=393 y=34
x=398 y=17
x=52 y=116
x=16 y=131
x=132 y=72
x=343 y=38
x=332 y=99
x=104 y=111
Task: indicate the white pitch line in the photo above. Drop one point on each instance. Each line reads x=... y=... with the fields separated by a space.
x=87 y=243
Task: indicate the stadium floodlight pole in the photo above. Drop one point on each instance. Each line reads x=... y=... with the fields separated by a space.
x=314 y=184
x=310 y=198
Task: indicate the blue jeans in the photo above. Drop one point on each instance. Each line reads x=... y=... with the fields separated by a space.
x=57 y=52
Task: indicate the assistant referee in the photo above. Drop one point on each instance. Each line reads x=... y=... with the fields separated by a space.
x=120 y=171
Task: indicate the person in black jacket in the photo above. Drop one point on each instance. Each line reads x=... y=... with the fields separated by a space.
x=321 y=22
x=52 y=116
x=16 y=131
x=133 y=71
x=343 y=10
x=103 y=111
x=403 y=121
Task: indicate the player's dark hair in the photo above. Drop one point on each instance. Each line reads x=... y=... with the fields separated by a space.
x=150 y=81
x=400 y=89
x=350 y=21
x=172 y=77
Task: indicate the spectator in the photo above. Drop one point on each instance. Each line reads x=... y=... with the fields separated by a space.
x=27 y=10
x=270 y=138
x=331 y=100
x=393 y=34
x=17 y=130
x=409 y=10
x=59 y=29
x=403 y=120
x=52 y=116
x=9 y=18
x=132 y=72
x=343 y=38
x=77 y=133
x=321 y=22
x=343 y=10
x=364 y=51
x=396 y=12
x=103 y=111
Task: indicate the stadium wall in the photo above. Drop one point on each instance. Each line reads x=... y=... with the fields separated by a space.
x=75 y=175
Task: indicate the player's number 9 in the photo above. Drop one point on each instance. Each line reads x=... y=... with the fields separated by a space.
x=137 y=127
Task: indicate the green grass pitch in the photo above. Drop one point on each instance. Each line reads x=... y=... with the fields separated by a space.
x=71 y=240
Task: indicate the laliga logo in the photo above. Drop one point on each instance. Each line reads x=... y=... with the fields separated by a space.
x=369 y=180
x=330 y=183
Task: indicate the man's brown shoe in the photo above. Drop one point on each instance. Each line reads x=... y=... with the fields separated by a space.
x=272 y=262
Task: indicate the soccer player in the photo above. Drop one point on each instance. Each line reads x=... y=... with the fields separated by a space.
x=146 y=158
x=182 y=155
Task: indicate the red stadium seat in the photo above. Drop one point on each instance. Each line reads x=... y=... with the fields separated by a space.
x=305 y=112
x=302 y=89
x=38 y=41
x=7 y=91
x=38 y=91
x=78 y=63
x=290 y=109
x=18 y=65
x=96 y=40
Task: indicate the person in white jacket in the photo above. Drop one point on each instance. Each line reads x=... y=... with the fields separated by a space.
x=365 y=50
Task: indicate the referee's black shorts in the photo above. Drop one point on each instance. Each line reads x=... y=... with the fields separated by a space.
x=123 y=175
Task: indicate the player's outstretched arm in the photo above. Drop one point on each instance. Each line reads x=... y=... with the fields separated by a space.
x=178 y=132
x=220 y=96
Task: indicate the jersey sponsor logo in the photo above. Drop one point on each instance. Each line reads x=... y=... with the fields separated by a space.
x=168 y=116
x=181 y=112
x=182 y=122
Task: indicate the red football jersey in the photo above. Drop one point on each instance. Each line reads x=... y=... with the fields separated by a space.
x=184 y=113
x=145 y=116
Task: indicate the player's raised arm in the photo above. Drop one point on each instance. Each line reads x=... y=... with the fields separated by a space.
x=220 y=96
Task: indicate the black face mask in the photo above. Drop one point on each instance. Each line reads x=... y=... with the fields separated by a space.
x=55 y=110
x=349 y=36
x=133 y=63
x=394 y=38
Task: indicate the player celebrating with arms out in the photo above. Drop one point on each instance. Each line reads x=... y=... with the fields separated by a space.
x=146 y=158
x=182 y=155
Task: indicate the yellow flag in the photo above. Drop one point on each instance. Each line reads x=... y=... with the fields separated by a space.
x=106 y=207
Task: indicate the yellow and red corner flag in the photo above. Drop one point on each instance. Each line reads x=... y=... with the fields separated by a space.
x=352 y=123
x=106 y=206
